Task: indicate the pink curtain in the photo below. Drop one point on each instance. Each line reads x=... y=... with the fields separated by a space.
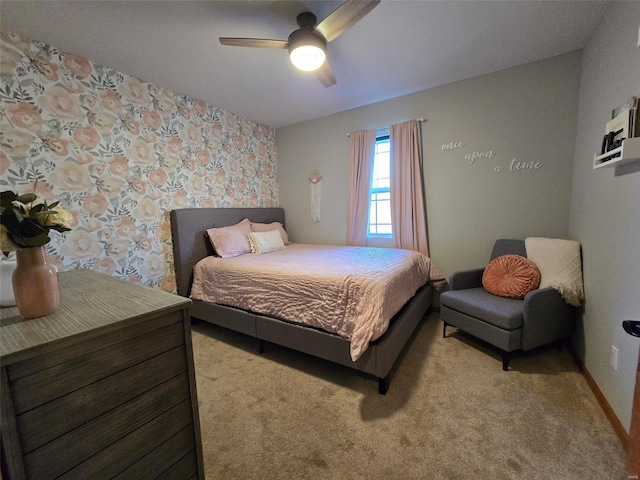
x=359 y=185
x=408 y=217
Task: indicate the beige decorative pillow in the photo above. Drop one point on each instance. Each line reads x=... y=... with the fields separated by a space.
x=265 y=242
x=231 y=241
x=511 y=276
x=267 y=227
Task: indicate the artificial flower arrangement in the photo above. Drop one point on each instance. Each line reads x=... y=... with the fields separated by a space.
x=25 y=221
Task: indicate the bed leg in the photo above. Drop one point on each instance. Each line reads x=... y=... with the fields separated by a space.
x=383 y=385
x=261 y=346
x=444 y=330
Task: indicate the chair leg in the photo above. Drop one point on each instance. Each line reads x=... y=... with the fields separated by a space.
x=505 y=361
x=444 y=330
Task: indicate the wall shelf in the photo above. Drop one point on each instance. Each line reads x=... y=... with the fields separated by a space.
x=627 y=153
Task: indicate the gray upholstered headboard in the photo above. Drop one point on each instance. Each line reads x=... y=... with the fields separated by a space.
x=188 y=226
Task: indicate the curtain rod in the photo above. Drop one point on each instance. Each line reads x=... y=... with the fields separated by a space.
x=421 y=119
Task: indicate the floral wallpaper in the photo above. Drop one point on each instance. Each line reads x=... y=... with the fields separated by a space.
x=120 y=154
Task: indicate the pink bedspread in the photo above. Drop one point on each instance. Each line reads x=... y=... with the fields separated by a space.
x=350 y=291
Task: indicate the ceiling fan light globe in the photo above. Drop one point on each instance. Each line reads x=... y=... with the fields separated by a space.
x=307 y=57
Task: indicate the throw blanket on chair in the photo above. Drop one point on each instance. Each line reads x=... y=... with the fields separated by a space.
x=560 y=266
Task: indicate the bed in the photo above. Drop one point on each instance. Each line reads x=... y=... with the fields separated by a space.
x=190 y=245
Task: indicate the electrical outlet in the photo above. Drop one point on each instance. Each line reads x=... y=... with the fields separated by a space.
x=614 y=357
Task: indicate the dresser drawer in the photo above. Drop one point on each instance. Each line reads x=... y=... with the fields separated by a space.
x=34 y=384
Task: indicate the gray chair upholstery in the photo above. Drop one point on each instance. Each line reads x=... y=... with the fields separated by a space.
x=540 y=318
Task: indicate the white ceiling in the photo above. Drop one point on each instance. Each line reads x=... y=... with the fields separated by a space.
x=399 y=48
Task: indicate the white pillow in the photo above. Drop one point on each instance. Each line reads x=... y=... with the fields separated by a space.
x=265 y=242
x=267 y=227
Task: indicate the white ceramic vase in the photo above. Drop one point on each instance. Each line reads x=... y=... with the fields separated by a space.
x=7 y=266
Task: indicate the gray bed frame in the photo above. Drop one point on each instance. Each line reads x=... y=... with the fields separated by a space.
x=188 y=226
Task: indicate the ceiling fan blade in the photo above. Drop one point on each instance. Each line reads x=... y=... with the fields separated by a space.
x=345 y=17
x=326 y=75
x=254 y=42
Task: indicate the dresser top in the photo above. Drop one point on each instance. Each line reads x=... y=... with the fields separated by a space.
x=90 y=303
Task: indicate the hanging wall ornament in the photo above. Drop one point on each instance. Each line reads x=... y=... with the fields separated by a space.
x=316 y=191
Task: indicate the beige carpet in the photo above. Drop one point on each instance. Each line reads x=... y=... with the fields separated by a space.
x=451 y=413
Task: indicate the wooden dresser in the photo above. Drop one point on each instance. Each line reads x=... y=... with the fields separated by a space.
x=102 y=388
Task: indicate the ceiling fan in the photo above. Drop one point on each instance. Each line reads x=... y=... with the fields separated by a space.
x=307 y=46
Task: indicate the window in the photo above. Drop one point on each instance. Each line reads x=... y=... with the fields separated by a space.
x=380 y=206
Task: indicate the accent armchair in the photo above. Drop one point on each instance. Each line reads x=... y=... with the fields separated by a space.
x=542 y=317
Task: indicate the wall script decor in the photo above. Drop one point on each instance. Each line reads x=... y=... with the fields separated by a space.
x=517 y=164
x=452 y=145
x=514 y=165
x=472 y=157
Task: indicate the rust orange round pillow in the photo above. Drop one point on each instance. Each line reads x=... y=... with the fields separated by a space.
x=511 y=276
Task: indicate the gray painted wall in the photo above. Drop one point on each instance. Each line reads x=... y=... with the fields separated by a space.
x=527 y=112
x=605 y=210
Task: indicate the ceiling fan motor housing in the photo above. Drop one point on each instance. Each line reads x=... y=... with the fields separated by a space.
x=306 y=19
x=306 y=36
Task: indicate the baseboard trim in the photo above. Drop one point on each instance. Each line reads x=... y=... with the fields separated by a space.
x=608 y=411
